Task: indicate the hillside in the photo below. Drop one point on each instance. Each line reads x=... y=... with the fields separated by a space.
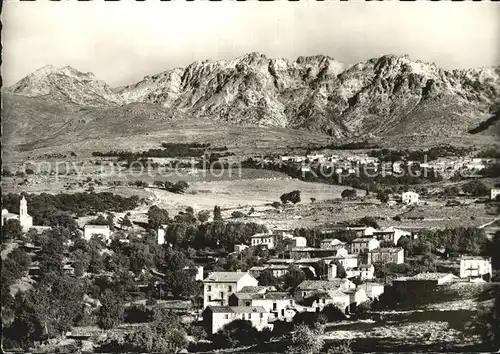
x=389 y=98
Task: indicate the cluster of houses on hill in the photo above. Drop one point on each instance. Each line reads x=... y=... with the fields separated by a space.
x=237 y=295
x=349 y=163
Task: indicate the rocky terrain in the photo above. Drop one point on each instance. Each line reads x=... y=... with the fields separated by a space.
x=389 y=96
x=386 y=95
x=66 y=85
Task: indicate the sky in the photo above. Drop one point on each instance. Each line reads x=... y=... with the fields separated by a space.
x=121 y=42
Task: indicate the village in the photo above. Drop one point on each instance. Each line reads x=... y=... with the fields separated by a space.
x=278 y=275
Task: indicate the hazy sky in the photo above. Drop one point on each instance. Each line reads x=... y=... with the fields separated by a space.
x=121 y=42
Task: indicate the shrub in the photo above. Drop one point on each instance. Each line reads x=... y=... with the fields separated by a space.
x=349 y=193
x=293 y=196
x=237 y=214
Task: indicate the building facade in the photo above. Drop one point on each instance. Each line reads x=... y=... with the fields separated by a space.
x=280 y=305
x=364 y=243
x=96 y=230
x=263 y=239
x=386 y=255
x=218 y=286
x=475 y=267
x=216 y=317
x=25 y=220
x=409 y=198
x=494 y=193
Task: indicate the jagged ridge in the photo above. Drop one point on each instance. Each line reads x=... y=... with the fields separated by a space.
x=387 y=95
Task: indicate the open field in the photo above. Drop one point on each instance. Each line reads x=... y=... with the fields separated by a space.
x=242 y=189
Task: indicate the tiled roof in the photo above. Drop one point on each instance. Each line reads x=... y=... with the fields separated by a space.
x=479 y=258
x=278 y=266
x=265 y=296
x=253 y=289
x=257 y=268
x=225 y=276
x=280 y=260
x=333 y=241
x=386 y=250
x=308 y=260
x=362 y=239
x=88 y=226
x=430 y=276
x=321 y=284
x=237 y=309
x=261 y=235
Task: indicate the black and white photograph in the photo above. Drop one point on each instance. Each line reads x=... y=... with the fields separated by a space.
x=252 y=176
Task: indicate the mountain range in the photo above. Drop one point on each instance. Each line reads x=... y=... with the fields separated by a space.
x=386 y=96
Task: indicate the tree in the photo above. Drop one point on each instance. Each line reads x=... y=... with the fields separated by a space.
x=180 y=187
x=237 y=214
x=304 y=340
x=217 y=213
x=266 y=278
x=369 y=221
x=111 y=221
x=125 y=222
x=475 y=188
x=12 y=230
x=100 y=220
x=334 y=313
x=276 y=205
x=294 y=277
x=313 y=199
x=203 y=216
x=349 y=193
x=159 y=184
x=111 y=310
x=383 y=197
x=157 y=217
x=235 y=333
x=293 y=196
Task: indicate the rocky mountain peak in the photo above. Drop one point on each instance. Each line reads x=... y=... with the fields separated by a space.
x=68 y=84
x=385 y=95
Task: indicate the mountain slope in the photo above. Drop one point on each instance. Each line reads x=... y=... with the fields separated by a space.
x=387 y=96
x=66 y=85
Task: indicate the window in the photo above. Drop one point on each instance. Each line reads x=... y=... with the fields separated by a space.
x=209 y=298
x=230 y=288
x=226 y=317
x=221 y=294
x=275 y=306
x=209 y=288
x=261 y=315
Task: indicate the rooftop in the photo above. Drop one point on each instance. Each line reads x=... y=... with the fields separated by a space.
x=430 y=276
x=280 y=261
x=263 y=234
x=88 y=226
x=225 y=276
x=386 y=250
x=237 y=309
x=255 y=289
x=362 y=239
x=308 y=260
x=334 y=241
x=321 y=284
x=478 y=258
x=263 y=296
